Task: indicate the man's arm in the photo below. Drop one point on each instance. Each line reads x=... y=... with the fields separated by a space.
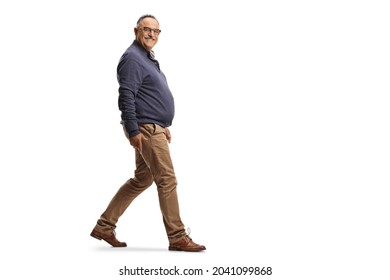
x=129 y=77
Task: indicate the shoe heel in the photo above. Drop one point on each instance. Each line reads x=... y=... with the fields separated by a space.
x=95 y=236
x=174 y=249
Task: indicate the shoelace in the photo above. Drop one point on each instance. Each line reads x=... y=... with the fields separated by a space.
x=189 y=239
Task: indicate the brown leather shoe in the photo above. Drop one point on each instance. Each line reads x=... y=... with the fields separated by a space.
x=186 y=244
x=110 y=239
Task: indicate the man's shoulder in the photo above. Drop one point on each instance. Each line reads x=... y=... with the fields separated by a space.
x=133 y=51
x=133 y=58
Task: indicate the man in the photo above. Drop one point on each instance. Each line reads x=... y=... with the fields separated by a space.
x=147 y=110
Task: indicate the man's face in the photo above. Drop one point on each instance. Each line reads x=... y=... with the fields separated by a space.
x=147 y=33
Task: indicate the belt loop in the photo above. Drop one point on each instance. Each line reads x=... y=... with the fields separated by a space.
x=154 y=128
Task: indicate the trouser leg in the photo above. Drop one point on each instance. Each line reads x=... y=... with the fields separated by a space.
x=156 y=154
x=125 y=195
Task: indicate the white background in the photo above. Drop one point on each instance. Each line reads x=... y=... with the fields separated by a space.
x=280 y=140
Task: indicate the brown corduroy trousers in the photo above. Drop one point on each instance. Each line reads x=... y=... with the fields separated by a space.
x=153 y=165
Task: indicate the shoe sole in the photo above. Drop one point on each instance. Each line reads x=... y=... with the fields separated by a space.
x=180 y=249
x=100 y=238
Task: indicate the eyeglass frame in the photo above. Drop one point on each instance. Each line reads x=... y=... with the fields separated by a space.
x=149 y=30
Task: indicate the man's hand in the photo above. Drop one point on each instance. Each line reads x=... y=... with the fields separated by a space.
x=168 y=135
x=136 y=141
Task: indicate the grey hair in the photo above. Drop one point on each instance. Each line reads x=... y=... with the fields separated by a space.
x=143 y=17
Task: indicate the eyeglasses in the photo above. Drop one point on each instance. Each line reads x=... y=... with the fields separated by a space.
x=149 y=30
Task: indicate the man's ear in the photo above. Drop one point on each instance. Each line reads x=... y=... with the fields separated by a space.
x=135 y=31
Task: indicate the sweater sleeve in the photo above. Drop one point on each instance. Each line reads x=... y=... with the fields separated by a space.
x=129 y=75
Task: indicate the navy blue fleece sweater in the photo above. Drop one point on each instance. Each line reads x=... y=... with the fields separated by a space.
x=144 y=95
